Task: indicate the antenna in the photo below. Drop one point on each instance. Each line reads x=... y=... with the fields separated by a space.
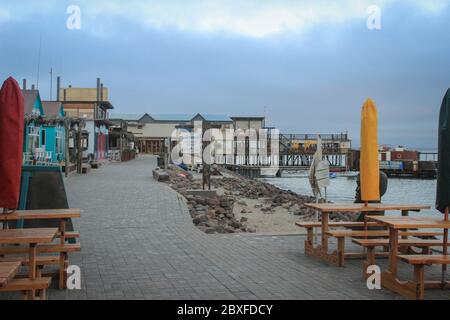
x=51 y=84
x=39 y=62
x=265 y=114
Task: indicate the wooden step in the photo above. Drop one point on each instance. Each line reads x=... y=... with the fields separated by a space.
x=40 y=260
x=333 y=224
x=27 y=284
x=48 y=248
x=401 y=242
x=425 y=259
x=379 y=233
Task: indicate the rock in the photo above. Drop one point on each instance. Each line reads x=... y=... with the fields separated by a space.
x=211 y=214
x=210 y=230
x=243 y=211
x=160 y=175
x=235 y=224
x=199 y=219
x=242 y=203
x=244 y=219
x=220 y=211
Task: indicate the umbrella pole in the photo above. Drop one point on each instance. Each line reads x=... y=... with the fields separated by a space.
x=5 y=225
x=444 y=267
x=317 y=219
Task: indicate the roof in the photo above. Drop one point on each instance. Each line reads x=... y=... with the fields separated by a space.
x=30 y=97
x=126 y=116
x=216 y=117
x=170 y=117
x=52 y=108
x=248 y=118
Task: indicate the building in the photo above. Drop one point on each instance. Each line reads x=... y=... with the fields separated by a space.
x=245 y=123
x=151 y=130
x=121 y=141
x=92 y=105
x=53 y=132
x=44 y=136
x=33 y=123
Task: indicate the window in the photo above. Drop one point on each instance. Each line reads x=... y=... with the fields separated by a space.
x=43 y=137
x=33 y=139
x=59 y=141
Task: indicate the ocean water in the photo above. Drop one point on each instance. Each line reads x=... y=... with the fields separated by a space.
x=342 y=190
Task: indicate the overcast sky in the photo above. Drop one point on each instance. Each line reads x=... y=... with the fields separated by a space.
x=309 y=64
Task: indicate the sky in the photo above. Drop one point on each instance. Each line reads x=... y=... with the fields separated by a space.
x=307 y=65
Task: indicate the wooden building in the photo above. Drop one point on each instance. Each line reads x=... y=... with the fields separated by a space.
x=44 y=136
x=92 y=105
x=151 y=130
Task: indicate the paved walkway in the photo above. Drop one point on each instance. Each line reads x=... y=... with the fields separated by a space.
x=138 y=242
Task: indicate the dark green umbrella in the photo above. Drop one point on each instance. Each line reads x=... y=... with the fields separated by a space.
x=443 y=181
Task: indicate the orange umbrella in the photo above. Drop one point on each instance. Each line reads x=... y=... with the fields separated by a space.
x=369 y=163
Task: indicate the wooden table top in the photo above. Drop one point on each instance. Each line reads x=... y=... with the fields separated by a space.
x=41 y=214
x=360 y=207
x=411 y=222
x=8 y=271
x=27 y=236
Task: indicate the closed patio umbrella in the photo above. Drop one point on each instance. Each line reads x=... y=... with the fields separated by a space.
x=443 y=178
x=11 y=143
x=312 y=171
x=369 y=163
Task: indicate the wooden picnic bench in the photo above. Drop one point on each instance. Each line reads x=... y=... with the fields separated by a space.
x=371 y=244
x=336 y=258
x=63 y=215
x=342 y=235
x=8 y=271
x=31 y=238
x=389 y=279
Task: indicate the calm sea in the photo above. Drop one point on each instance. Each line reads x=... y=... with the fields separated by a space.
x=342 y=189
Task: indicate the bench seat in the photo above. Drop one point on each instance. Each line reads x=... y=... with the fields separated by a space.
x=415 y=289
x=425 y=259
x=40 y=260
x=48 y=248
x=308 y=225
x=370 y=243
x=379 y=233
x=27 y=285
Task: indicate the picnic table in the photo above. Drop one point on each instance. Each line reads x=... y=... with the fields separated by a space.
x=8 y=271
x=321 y=250
x=389 y=278
x=63 y=215
x=30 y=237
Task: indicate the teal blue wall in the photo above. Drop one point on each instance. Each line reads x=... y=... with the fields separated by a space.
x=50 y=134
x=50 y=143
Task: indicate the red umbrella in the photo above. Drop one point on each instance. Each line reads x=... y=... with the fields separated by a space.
x=11 y=143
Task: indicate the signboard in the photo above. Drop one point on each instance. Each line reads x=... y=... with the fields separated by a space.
x=322 y=174
x=391 y=165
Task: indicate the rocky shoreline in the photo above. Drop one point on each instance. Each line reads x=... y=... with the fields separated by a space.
x=241 y=204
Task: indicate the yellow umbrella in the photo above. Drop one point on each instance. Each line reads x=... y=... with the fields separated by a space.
x=369 y=164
